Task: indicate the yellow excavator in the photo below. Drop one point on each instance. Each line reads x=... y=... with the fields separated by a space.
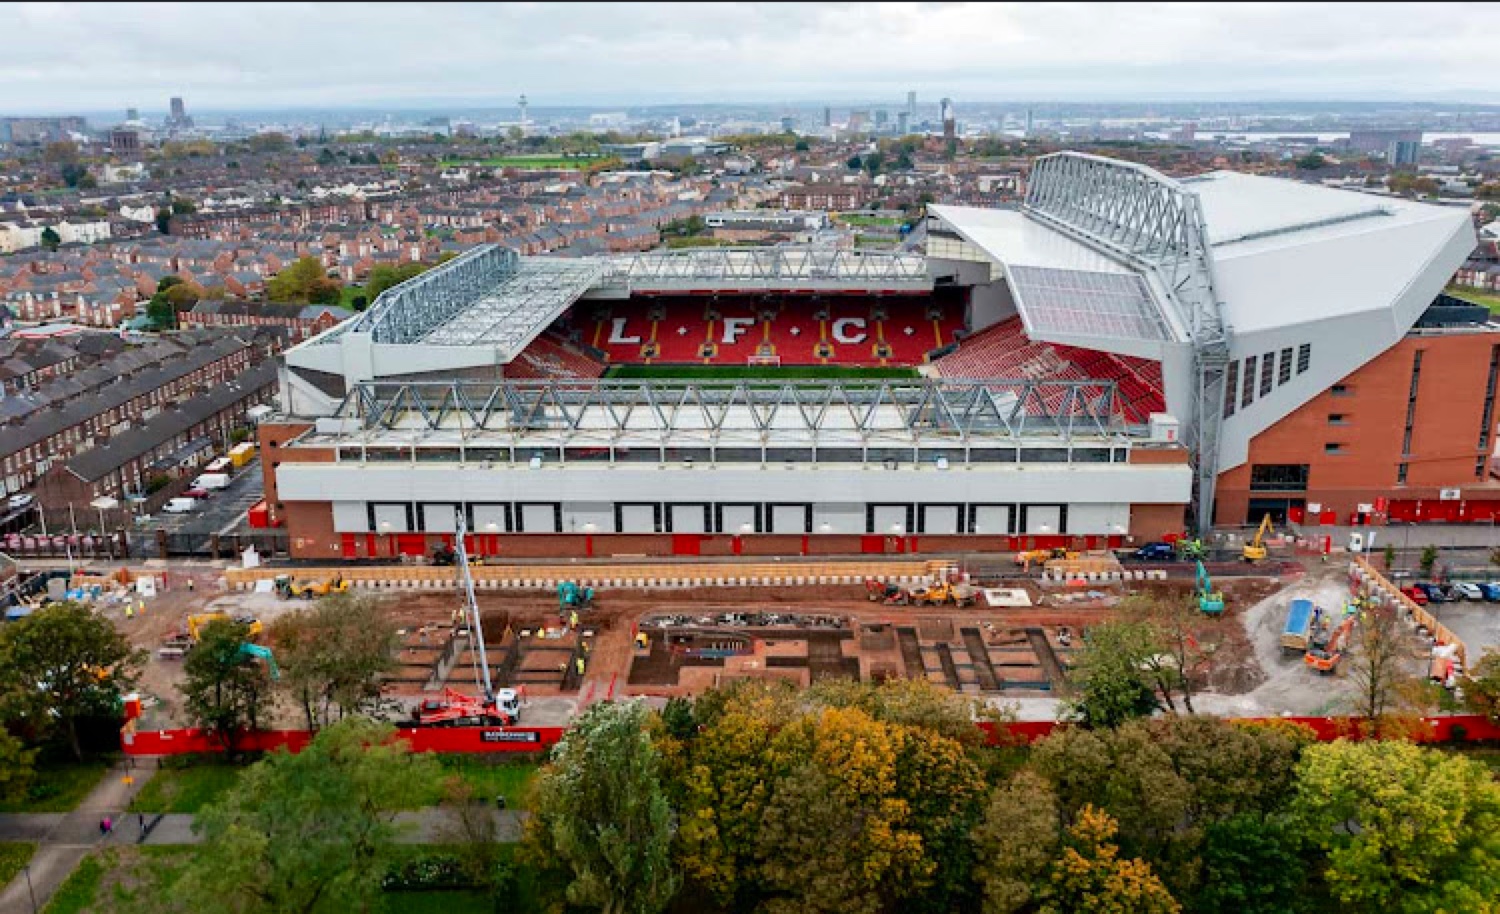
x=1255 y=550
x=287 y=588
x=1024 y=559
x=195 y=623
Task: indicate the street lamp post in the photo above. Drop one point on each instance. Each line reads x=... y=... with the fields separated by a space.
x=29 y=890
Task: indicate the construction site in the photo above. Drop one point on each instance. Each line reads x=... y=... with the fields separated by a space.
x=1006 y=630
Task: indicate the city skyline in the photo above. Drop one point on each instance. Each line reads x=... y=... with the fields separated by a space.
x=95 y=57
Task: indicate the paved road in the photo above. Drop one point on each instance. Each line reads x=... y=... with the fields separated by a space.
x=220 y=512
x=65 y=839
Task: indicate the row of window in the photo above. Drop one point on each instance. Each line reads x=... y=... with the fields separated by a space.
x=890 y=457
x=1240 y=383
x=894 y=518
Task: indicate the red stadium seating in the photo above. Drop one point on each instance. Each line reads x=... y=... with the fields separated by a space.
x=797 y=329
x=548 y=357
x=1004 y=351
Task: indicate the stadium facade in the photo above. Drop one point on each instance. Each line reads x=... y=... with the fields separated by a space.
x=1122 y=355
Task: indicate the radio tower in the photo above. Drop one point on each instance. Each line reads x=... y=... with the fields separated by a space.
x=521 y=103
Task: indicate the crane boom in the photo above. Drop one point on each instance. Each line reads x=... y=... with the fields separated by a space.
x=471 y=606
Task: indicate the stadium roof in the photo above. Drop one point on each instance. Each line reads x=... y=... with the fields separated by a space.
x=485 y=296
x=1065 y=291
x=1284 y=253
x=775 y=268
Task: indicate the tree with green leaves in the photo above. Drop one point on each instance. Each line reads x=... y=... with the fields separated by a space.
x=66 y=662
x=1109 y=681
x=1382 y=666
x=51 y=240
x=303 y=282
x=1481 y=685
x=164 y=220
x=73 y=173
x=227 y=691
x=309 y=832
x=1428 y=560
x=1254 y=864
x=1404 y=828
x=601 y=814
x=1090 y=876
x=333 y=655
x=1016 y=843
x=17 y=767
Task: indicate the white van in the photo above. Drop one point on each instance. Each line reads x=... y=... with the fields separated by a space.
x=212 y=481
x=180 y=505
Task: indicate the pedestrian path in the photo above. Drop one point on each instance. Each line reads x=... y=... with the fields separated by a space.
x=64 y=839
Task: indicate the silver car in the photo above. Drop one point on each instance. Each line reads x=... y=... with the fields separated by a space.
x=1468 y=591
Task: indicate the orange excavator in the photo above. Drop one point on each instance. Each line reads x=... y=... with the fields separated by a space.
x=1324 y=655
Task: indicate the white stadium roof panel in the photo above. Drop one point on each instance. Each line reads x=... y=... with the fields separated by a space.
x=1077 y=303
x=1012 y=239
x=1238 y=206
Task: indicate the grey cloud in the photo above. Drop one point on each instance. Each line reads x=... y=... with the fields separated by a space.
x=97 y=56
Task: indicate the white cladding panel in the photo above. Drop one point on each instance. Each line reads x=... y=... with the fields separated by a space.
x=687 y=518
x=637 y=519
x=738 y=518
x=390 y=519
x=538 y=519
x=991 y=519
x=788 y=519
x=938 y=519
x=490 y=519
x=1098 y=518
x=439 y=518
x=890 y=519
x=835 y=518
x=576 y=518
x=1044 y=519
x=1033 y=483
x=350 y=517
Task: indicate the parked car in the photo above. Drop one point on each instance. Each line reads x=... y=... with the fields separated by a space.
x=196 y=493
x=1491 y=592
x=1450 y=593
x=1434 y=593
x=1468 y=590
x=1155 y=552
x=1417 y=594
x=21 y=500
x=180 y=506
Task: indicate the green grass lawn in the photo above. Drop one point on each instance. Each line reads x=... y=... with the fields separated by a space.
x=347 y=294
x=13 y=856
x=1479 y=298
x=190 y=788
x=59 y=786
x=186 y=790
x=105 y=880
x=78 y=890
x=509 y=777
x=677 y=244
x=851 y=219
x=756 y=372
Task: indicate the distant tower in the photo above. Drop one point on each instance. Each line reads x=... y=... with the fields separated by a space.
x=950 y=128
x=1028 y=122
x=132 y=114
x=179 y=110
x=827 y=116
x=911 y=105
x=521 y=103
x=903 y=123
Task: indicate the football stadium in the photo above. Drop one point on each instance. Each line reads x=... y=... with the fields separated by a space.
x=1124 y=356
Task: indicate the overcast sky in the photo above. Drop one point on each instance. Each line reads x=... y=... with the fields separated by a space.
x=88 y=57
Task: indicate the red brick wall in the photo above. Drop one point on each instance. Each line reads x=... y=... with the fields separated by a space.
x=1445 y=434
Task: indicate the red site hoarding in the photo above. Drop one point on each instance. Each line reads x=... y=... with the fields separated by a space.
x=1458 y=728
